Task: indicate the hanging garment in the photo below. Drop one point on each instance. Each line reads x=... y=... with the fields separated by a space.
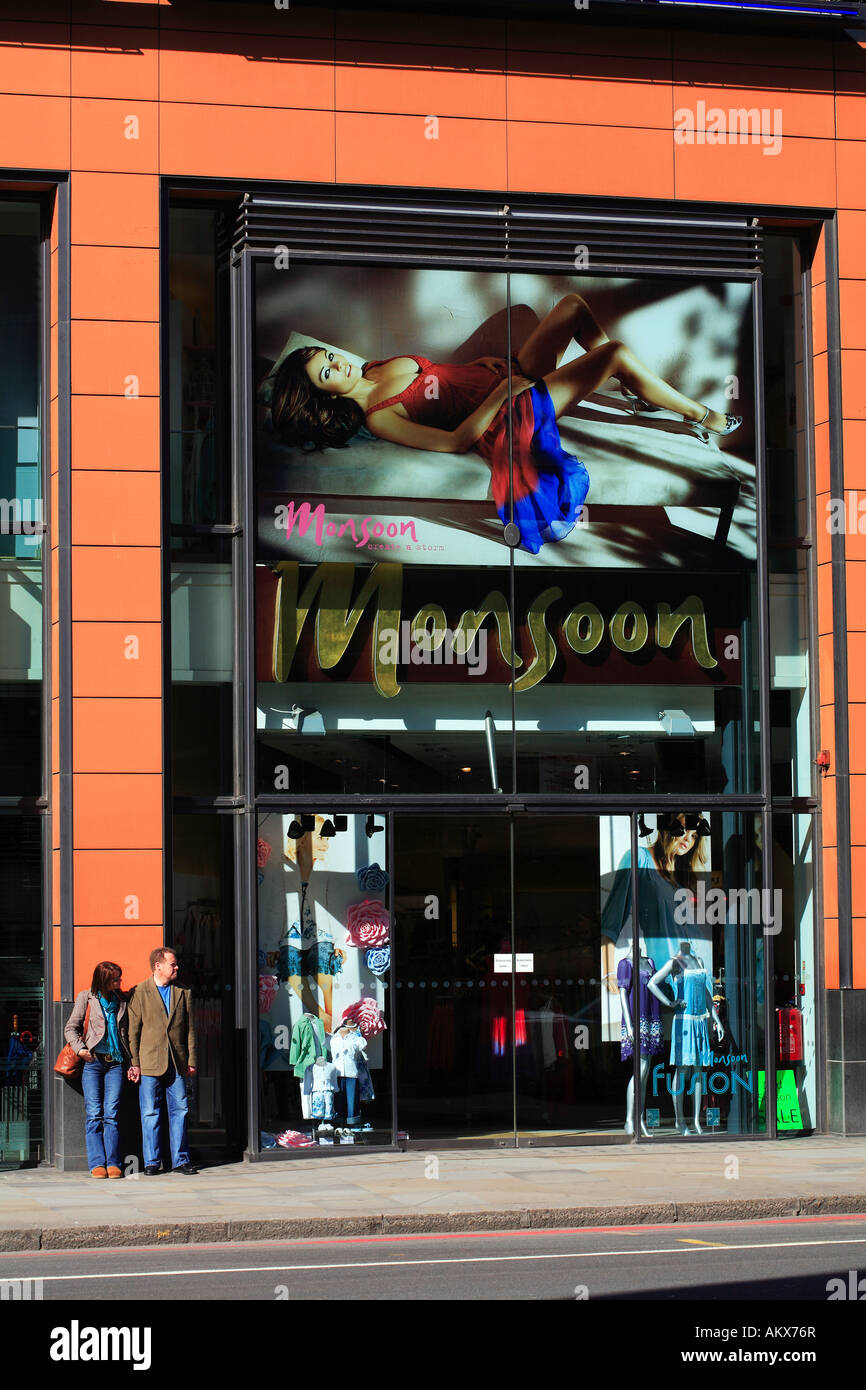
x=307 y=1043
x=650 y=1028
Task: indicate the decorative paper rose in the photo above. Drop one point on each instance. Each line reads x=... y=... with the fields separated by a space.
x=368 y=924
x=378 y=959
x=268 y=986
x=372 y=879
x=367 y=1016
x=263 y=853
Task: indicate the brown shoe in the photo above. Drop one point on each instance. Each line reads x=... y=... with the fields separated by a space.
x=114 y=1172
x=98 y=1173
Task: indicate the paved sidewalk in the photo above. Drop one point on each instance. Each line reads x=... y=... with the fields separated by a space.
x=453 y=1190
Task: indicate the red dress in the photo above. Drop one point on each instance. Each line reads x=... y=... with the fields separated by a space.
x=550 y=485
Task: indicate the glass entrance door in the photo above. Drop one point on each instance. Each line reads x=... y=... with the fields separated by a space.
x=455 y=1017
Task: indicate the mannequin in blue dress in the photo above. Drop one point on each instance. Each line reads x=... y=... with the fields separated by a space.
x=691 y=1049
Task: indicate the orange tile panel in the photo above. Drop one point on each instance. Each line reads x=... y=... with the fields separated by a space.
x=414 y=150
x=55 y=886
x=117 y=885
x=115 y=137
x=597 y=92
x=854 y=453
x=852 y=313
x=829 y=869
x=247 y=71
x=114 y=282
x=753 y=50
x=858 y=882
x=592 y=160
x=128 y=945
x=116 y=584
x=117 y=735
x=394 y=79
x=55 y=654
x=827 y=728
x=856 y=730
x=850 y=174
x=115 y=433
x=55 y=964
x=827 y=793
x=115 y=508
x=826 y=516
x=54 y=290
x=55 y=732
x=35 y=132
x=822 y=457
x=114 y=62
x=247 y=142
x=53 y=436
x=34 y=58
x=852 y=244
x=857 y=794
x=858 y=931
x=117 y=659
x=831 y=952
x=819 y=319
x=819 y=261
x=113 y=359
x=855 y=592
x=787 y=102
x=119 y=811
x=851 y=113
x=801 y=172
x=820 y=388
x=825 y=660
x=55 y=810
x=54 y=383
x=114 y=209
x=853 y=383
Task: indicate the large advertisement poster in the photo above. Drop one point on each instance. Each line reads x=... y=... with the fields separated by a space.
x=385 y=429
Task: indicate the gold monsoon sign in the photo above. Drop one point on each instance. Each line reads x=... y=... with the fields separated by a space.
x=308 y=618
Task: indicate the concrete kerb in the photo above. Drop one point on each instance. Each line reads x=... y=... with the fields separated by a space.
x=193 y=1232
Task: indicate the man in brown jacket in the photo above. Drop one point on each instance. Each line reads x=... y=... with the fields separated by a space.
x=162 y=1044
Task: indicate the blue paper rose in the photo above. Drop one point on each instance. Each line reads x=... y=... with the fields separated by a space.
x=372 y=879
x=378 y=958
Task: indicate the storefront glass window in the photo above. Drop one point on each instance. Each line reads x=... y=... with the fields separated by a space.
x=324 y=963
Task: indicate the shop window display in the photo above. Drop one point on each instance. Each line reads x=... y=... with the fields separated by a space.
x=323 y=964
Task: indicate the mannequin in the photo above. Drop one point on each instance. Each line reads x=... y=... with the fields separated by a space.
x=348 y=1050
x=691 y=1049
x=649 y=1027
x=306 y=1046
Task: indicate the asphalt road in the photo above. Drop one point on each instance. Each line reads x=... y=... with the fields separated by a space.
x=789 y=1260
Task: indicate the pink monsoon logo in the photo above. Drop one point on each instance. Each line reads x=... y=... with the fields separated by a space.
x=363 y=530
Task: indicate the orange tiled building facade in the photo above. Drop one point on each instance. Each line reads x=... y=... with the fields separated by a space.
x=113 y=113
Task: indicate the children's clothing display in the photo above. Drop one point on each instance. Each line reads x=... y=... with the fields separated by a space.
x=308 y=1043
x=650 y=1026
x=321 y=1082
x=690 y=1034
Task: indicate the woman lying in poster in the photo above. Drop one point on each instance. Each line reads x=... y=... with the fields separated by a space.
x=322 y=398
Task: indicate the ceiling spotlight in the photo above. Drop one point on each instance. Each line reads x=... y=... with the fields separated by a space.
x=295 y=830
x=308 y=823
x=372 y=827
x=327 y=831
x=341 y=822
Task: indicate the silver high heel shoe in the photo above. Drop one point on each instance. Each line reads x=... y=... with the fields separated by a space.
x=704 y=433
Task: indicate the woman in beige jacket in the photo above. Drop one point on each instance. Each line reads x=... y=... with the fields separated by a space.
x=99 y=1038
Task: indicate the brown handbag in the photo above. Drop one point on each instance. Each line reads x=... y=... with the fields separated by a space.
x=68 y=1063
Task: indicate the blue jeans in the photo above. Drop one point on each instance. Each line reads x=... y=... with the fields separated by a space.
x=102 y=1083
x=172 y=1088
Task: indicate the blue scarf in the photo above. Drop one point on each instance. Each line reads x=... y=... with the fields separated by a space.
x=109 y=1008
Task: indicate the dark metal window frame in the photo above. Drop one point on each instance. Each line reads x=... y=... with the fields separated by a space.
x=255 y=240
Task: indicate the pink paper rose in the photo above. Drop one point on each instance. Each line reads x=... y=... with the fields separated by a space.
x=368 y=924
